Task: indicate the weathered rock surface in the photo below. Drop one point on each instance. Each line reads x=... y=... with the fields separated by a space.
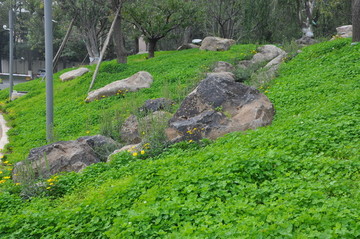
x=17 y=94
x=344 y=31
x=188 y=46
x=306 y=41
x=128 y=148
x=134 y=128
x=158 y=104
x=64 y=156
x=130 y=130
x=222 y=66
x=216 y=44
x=73 y=74
x=135 y=82
x=218 y=106
x=267 y=53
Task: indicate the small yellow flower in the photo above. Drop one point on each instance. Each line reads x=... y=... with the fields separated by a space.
x=88 y=131
x=9 y=169
x=6 y=162
x=0 y=172
x=103 y=96
x=17 y=184
x=51 y=183
x=135 y=154
x=142 y=152
x=129 y=150
x=2 y=181
x=1 y=156
x=48 y=188
x=6 y=177
x=266 y=91
x=190 y=141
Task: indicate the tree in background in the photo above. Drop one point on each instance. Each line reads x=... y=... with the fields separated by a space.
x=118 y=35
x=224 y=17
x=356 y=20
x=91 y=20
x=156 y=18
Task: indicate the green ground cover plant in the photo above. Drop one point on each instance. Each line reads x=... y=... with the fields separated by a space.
x=298 y=178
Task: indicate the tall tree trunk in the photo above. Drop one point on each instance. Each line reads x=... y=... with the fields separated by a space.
x=356 y=20
x=152 y=47
x=118 y=39
x=92 y=45
x=187 y=35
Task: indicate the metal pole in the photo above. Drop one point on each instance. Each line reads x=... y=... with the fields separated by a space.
x=49 y=71
x=11 y=51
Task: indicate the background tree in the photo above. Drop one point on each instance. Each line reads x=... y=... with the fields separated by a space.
x=91 y=20
x=356 y=20
x=118 y=35
x=156 y=18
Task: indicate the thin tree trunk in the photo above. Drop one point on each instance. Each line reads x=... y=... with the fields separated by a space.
x=152 y=47
x=118 y=38
x=104 y=49
x=356 y=20
x=187 y=35
x=62 y=46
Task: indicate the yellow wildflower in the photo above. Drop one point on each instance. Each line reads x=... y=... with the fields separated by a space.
x=2 y=181
x=1 y=156
x=17 y=184
x=142 y=152
x=6 y=177
x=51 y=183
x=190 y=141
x=135 y=154
x=48 y=188
x=88 y=131
x=0 y=172
x=6 y=162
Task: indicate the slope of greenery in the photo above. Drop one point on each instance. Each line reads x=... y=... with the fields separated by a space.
x=298 y=178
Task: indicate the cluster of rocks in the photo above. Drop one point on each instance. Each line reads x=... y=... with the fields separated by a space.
x=219 y=105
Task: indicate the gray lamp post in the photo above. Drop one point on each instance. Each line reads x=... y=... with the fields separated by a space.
x=49 y=71
x=11 y=51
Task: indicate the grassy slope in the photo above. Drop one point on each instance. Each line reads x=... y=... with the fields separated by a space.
x=298 y=178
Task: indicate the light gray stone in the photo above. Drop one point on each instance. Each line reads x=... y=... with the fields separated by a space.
x=135 y=82
x=216 y=44
x=70 y=75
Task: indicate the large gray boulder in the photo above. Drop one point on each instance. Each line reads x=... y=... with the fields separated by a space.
x=216 y=44
x=306 y=41
x=140 y=80
x=218 y=106
x=267 y=53
x=73 y=74
x=64 y=156
x=130 y=130
x=344 y=31
x=158 y=104
x=222 y=66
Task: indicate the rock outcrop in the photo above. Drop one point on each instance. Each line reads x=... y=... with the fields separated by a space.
x=344 y=31
x=267 y=53
x=306 y=41
x=216 y=44
x=158 y=104
x=73 y=74
x=222 y=66
x=64 y=156
x=135 y=82
x=218 y=106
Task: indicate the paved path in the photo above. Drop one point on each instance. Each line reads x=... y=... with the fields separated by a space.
x=3 y=136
